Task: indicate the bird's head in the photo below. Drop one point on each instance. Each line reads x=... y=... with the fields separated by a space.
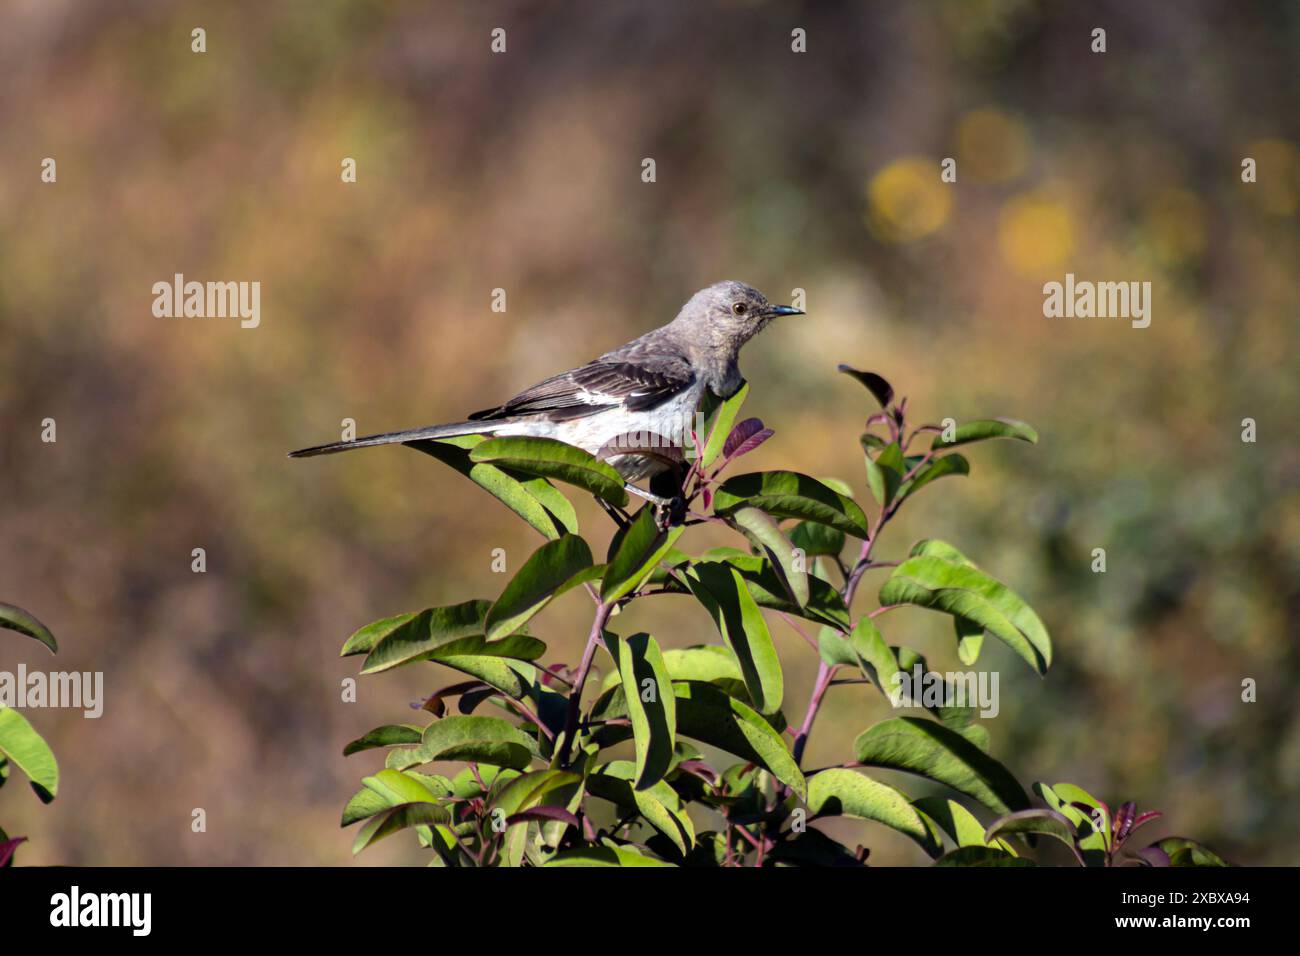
x=730 y=313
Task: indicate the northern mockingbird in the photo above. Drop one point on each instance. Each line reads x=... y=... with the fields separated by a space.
x=649 y=388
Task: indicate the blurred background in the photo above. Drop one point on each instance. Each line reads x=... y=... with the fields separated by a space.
x=522 y=171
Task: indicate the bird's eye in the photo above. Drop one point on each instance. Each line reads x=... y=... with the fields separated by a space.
x=738 y=308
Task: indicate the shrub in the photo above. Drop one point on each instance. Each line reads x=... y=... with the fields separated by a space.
x=541 y=785
x=20 y=745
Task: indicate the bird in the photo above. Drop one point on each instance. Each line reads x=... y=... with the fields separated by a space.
x=633 y=406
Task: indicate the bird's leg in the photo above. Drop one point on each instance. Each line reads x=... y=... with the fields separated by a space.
x=642 y=493
x=620 y=517
x=668 y=511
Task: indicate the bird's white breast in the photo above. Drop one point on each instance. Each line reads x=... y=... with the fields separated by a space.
x=672 y=421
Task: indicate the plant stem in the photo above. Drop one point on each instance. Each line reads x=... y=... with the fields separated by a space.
x=797 y=629
x=523 y=711
x=603 y=611
x=824 y=674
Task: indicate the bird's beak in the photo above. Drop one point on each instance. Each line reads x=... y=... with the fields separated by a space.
x=776 y=311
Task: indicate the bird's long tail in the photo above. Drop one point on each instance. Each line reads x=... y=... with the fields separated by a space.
x=392 y=438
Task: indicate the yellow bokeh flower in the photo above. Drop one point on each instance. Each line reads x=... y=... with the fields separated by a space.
x=907 y=200
x=1035 y=233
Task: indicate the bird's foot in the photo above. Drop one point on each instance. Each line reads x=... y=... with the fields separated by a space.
x=670 y=512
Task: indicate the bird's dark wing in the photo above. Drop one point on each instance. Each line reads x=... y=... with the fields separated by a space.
x=600 y=385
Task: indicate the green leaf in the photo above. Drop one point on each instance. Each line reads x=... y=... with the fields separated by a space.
x=965 y=591
x=765 y=586
x=834 y=648
x=517 y=647
x=1184 y=852
x=640 y=548
x=763 y=531
x=958 y=822
x=409 y=637
x=935 y=548
x=512 y=678
x=1047 y=822
x=391 y=788
x=840 y=792
x=541 y=787
x=399 y=818
x=551 y=570
x=448 y=853
x=980 y=856
x=540 y=509
x=708 y=714
x=706 y=662
x=880 y=389
x=549 y=458
x=970 y=640
x=723 y=593
x=953 y=464
x=659 y=805
x=876 y=659
x=719 y=416
x=364 y=640
x=878 y=481
x=943 y=755
x=988 y=428
x=465 y=785
x=817 y=540
x=390 y=735
x=885 y=473
x=554 y=501
x=16 y=619
x=28 y=751
x=603 y=856
x=499 y=664
x=485 y=739
x=788 y=494
x=812 y=848
x=1087 y=813
x=654 y=721
x=953 y=716
x=837 y=484
x=970 y=635
x=364 y=803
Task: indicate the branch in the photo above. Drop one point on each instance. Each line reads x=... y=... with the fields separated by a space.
x=824 y=674
x=575 y=696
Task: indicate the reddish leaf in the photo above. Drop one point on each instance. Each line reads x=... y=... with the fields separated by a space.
x=1153 y=856
x=875 y=384
x=543 y=815
x=744 y=438
x=1123 y=824
x=7 y=848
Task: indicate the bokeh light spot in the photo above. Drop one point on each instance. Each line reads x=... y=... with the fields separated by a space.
x=906 y=200
x=1035 y=233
